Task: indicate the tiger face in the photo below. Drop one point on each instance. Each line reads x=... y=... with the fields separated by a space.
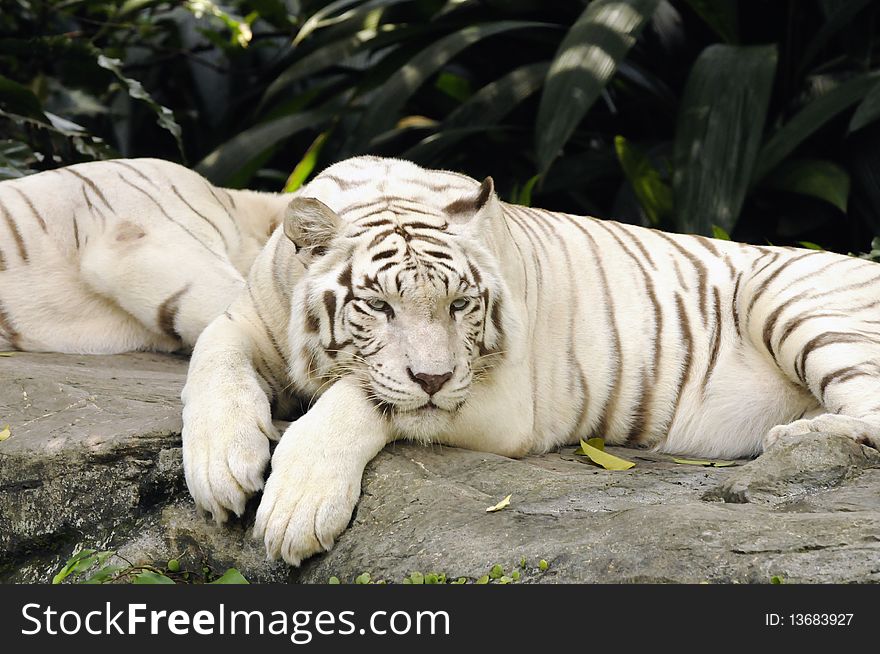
x=403 y=298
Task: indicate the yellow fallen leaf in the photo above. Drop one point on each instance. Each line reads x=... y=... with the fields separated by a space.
x=502 y=504
x=701 y=462
x=4 y=433
x=602 y=458
x=7 y=354
x=692 y=462
x=598 y=443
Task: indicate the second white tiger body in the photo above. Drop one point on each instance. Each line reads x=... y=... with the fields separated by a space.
x=121 y=255
x=413 y=304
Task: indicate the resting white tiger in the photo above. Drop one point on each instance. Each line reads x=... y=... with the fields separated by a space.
x=411 y=303
x=129 y=254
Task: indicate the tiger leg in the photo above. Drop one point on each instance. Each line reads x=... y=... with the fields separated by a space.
x=172 y=285
x=227 y=415
x=838 y=360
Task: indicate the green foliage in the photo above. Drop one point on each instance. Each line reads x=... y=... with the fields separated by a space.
x=88 y=566
x=759 y=119
x=718 y=134
x=496 y=575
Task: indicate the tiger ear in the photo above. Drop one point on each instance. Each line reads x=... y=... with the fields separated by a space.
x=466 y=210
x=311 y=224
x=484 y=219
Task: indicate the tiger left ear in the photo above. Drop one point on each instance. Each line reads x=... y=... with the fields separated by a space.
x=464 y=210
x=486 y=194
x=311 y=224
x=483 y=217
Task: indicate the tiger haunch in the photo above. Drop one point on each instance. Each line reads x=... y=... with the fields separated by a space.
x=121 y=255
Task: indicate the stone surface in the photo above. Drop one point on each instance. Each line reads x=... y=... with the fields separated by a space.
x=94 y=458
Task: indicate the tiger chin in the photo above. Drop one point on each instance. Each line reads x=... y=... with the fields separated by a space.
x=400 y=302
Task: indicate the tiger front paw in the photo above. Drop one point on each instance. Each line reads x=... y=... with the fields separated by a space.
x=307 y=503
x=226 y=433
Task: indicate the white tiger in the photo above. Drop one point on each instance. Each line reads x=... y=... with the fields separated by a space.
x=412 y=303
x=128 y=254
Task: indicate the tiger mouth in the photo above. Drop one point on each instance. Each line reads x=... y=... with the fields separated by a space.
x=426 y=409
x=423 y=409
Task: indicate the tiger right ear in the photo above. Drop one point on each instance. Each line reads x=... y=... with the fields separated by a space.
x=311 y=224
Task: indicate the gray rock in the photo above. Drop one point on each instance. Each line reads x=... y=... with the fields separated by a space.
x=796 y=467
x=94 y=458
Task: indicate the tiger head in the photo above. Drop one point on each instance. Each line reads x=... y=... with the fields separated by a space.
x=402 y=293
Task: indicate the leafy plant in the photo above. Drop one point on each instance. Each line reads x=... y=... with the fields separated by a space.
x=89 y=566
x=757 y=120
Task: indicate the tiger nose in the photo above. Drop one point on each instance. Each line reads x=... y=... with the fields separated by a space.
x=429 y=383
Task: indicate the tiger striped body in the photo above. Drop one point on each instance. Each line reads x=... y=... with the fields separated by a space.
x=414 y=304
x=122 y=255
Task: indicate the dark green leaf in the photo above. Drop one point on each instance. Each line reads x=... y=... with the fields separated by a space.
x=809 y=119
x=102 y=575
x=164 y=115
x=455 y=86
x=523 y=196
x=75 y=564
x=814 y=177
x=719 y=233
x=335 y=53
x=840 y=17
x=328 y=15
x=486 y=107
x=382 y=113
x=18 y=99
x=720 y=15
x=868 y=110
x=150 y=577
x=653 y=193
x=16 y=159
x=231 y=576
x=306 y=165
x=718 y=135
x=579 y=170
x=585 y=61
x=247 y=145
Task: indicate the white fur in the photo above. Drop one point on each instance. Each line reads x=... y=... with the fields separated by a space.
x=122 y=237
x=585 y=304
